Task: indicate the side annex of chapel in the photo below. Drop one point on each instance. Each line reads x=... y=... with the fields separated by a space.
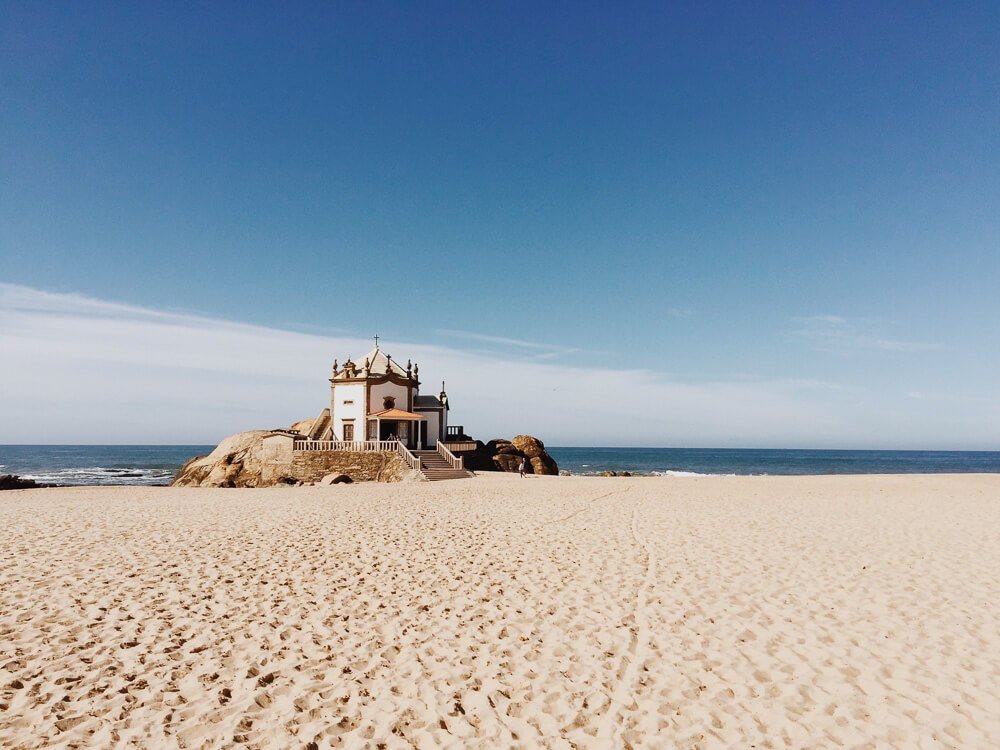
x=377 y=398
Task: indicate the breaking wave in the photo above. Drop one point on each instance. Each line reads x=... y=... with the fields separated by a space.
x=646 y=473
x=102 y=475
x=680 y=473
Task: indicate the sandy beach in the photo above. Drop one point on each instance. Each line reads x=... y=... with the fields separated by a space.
x=496 y=612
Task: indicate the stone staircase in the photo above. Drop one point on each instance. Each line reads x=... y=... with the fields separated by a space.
x=434 y=467
x=321 y=425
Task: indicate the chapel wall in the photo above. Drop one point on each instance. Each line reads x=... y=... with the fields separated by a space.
x=380 y=391
x=432 y=427
x=342 y=411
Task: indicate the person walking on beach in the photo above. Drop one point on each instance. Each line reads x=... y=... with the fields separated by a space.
x=521 y=467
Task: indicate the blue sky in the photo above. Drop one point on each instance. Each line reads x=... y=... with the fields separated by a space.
x=721 y=196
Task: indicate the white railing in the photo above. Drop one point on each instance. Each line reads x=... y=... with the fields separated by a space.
x=412 y=461
x=359 y=446
x=455 y=461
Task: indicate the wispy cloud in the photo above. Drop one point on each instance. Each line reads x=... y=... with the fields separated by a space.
x=78 y=369
x=544 y=350
x=957 y=396
x=839 y=334
x=82 y=369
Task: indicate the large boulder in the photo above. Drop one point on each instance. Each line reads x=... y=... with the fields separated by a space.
x=505 y=455
x=236 y=462
x=506 y=462
x=303 y=426
x=500 y=446
x=544 y=464
x=528 y=446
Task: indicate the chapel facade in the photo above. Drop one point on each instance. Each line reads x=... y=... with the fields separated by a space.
x=376 y=399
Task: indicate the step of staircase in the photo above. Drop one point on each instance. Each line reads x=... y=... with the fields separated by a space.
x=450 y=475
x=434 y=467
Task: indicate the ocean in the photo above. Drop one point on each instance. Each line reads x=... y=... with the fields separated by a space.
x=98 y=464
x=725 y=461
x=156 y=464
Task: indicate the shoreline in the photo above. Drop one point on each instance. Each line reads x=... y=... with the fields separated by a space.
x=681 y=475
x=132 y=465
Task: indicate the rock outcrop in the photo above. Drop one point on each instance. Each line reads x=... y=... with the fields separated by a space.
x=505 y=455
x=245 y=460
x=534 y=450
x=303 y=426
x=236 y=462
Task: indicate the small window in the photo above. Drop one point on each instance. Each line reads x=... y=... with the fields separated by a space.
x=389 y=402
x=348 y=402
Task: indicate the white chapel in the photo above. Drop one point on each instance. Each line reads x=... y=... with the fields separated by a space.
x=377 y=398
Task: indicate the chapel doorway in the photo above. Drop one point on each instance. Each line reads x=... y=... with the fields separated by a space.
x=390 y=429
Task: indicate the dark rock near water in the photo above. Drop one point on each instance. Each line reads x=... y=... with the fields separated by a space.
x=545 y=465
x=505 y=462
x=14 y=482
x=505 y=455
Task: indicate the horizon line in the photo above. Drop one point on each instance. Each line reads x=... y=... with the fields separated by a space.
x=557 y=447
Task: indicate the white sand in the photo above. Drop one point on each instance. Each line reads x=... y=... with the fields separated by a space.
x=498 y=612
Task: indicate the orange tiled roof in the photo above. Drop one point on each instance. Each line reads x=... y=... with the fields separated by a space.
x=395 y=414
